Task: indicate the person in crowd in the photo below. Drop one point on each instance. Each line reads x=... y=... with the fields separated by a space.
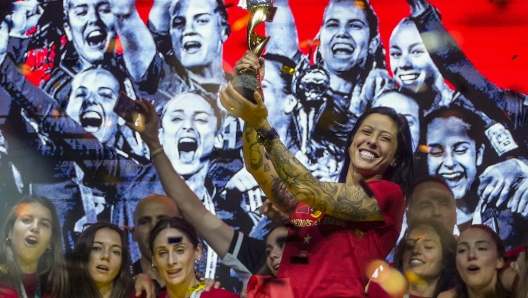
x=31 y=252
x=456 y=152
x=427 y=251
x=379 y=156
x=175 y=247
x=479 y=256
x=219 y=236
x=404 y=103
x=431 y=198
x=149 y=211
x=99 y=264
x=275 y=242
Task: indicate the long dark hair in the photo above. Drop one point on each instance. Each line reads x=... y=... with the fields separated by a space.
x=499 y=291
x=448 y=243
x=402 y=173
x=80 y=257
x=51 y=266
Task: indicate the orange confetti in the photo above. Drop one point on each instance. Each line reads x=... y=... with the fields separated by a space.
x=377 y=271
x=395 y=284
x=240 y=23
x=24 y=68
x=360 y=4
x=423 y=148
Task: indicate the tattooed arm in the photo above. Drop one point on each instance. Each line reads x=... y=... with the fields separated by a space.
x=263 y=171
x=344 y=201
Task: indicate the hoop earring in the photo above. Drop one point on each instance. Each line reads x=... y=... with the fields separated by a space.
x=154 y=268
x=394 y=164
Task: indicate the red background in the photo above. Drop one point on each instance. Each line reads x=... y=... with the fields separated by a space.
x=492 y=33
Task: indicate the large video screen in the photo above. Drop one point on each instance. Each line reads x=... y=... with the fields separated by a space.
x=455 y=69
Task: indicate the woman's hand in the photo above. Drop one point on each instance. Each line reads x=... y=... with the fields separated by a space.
x=250 y=60
x=145 y=284
x=150 y=130
x=238 y=106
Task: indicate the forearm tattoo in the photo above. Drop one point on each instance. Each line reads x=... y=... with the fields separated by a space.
x=256 y=159
x=337 y=199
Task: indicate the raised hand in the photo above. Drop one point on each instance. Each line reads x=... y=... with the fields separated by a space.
x=507 y=179
x=150 y=129
x=255 y=115
x=250 y=60
x=25 y=16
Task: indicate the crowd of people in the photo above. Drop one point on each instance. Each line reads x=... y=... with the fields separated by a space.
x=328 y=154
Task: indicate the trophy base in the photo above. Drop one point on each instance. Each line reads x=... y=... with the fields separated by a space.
x=246 y=85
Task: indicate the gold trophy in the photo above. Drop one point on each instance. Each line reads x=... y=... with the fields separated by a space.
x=248 y=80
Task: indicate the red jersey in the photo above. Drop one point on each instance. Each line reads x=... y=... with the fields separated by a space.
x=327 y=256
x=29 y=283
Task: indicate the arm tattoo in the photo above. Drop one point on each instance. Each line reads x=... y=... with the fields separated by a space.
x=256 y=160
x=282 y=195
x=354 y=204
x=337 y=199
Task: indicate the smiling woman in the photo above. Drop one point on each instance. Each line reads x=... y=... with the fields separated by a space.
x=340 y=226
x=100 y=262
x=31 y=257
x=428 y=252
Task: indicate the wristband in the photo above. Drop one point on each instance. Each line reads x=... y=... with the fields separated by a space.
x=156 y=152
x=266 y=135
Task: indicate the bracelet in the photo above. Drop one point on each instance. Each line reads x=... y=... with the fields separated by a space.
x=156 y=152
x=264 y=136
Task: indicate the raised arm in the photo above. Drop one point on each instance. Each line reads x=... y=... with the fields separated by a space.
x=453 y=64
x=264 y=173
x=138 y=45
x=212 y=229
x=337 y=199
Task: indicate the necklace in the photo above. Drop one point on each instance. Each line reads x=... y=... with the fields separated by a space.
x=197 y=287
x=195 y=290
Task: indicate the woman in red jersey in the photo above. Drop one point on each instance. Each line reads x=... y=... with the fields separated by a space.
x=31 y=258
x=340 y=227
x=175 y=248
